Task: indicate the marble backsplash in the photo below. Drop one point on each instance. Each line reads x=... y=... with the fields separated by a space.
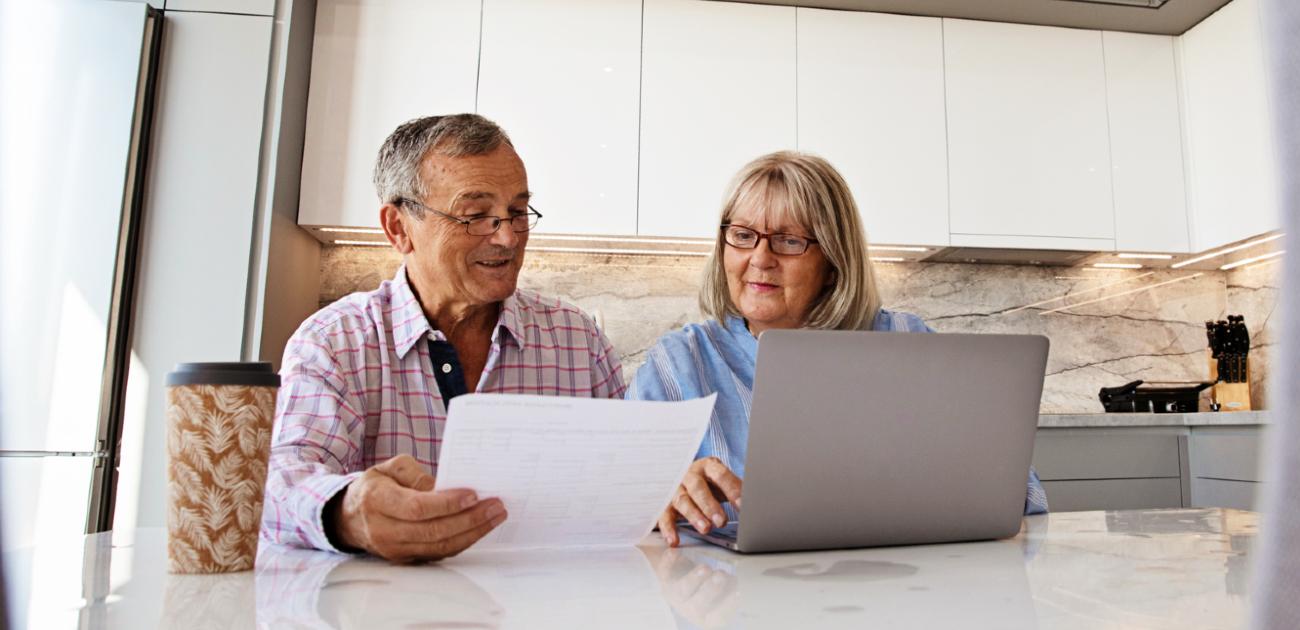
x=1107 y=327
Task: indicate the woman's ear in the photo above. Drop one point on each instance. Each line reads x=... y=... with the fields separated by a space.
x=831 y=278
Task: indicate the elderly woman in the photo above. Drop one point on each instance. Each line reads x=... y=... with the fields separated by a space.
x=814 y=272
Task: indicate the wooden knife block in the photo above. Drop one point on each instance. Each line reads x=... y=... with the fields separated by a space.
x=1230 y=396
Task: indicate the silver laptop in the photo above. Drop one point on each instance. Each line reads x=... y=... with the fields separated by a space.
x=865 y=439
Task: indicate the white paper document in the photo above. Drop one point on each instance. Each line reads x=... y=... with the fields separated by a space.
x=571 y=471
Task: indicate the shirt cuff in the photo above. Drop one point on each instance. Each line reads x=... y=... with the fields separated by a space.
x=316 y=493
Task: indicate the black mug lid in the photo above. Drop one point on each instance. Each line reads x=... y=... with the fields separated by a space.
x=254 y=373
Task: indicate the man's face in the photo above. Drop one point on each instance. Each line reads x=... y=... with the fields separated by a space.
x=453 y=266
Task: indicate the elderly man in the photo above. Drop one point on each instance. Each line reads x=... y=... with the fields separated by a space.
x=367 y=379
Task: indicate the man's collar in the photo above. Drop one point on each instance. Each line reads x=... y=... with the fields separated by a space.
x=510 y=320
x=410 y=324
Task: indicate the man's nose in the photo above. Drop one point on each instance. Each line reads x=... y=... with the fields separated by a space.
x=505 y=235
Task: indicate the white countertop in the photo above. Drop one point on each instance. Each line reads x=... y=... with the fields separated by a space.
x=1201 y=419
x=1125 y=569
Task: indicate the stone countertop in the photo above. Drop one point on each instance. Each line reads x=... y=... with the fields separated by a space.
x=1144 y=568
x=1112 y=420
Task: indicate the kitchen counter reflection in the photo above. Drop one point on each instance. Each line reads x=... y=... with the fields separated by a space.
x=525 y=589
x=1141 y=568
x=933 y=586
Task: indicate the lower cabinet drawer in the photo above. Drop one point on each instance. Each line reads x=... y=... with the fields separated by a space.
x=1071 y=454
x=1227 y=453
x=1113 y=494
x=1240 y=495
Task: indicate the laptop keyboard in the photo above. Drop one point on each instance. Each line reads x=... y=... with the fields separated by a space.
x=725 y=533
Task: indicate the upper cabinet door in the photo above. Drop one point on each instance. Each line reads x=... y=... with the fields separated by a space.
x=1028 y=148
x=563 y=79
x=718 y=89
x=1233 y=192
x=871 y=102
x=1146 y=143
x=376 y=65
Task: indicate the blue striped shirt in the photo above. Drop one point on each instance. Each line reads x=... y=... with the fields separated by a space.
x=710 y=357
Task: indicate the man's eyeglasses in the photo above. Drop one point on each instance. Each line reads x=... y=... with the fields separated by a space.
x=485 y=225
x=741 y=237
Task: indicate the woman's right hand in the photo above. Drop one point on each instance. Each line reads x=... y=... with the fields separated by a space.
x=708 y=483
x=705 y=596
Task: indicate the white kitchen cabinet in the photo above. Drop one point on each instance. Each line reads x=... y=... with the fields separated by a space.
x=570 y=105
x=1146 y=143
x=1028 y=148
x=717 y=90
x=376 y=65
x=1231 y=161
x=871 y=101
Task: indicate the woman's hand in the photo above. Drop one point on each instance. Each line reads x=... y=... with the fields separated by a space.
x=708 y=482
x=707 y=597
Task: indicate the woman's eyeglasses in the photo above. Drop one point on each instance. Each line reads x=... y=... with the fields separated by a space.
x=741 y=237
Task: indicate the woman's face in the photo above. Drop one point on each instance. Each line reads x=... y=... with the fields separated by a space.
x=773 y=291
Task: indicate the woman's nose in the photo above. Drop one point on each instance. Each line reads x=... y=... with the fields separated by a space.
x=762 y=256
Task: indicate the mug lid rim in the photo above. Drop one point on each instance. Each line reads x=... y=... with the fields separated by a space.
x=250 y=373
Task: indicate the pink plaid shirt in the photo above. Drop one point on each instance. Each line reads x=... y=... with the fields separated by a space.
x=358 y=388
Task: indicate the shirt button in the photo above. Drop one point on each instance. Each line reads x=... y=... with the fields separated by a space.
x=446 y=368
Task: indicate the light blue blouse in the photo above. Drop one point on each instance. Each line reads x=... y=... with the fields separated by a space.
x=710 y=357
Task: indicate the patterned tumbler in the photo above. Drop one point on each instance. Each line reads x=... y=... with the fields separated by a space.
x=219 y=419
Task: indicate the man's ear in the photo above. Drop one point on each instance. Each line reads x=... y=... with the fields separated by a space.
x=393 y=220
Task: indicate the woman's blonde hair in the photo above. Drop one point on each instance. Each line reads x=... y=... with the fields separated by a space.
x=811 y=192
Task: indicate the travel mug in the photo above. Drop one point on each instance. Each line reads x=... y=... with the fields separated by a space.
x=219 y=418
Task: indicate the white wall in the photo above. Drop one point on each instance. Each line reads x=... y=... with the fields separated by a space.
x=284 y=288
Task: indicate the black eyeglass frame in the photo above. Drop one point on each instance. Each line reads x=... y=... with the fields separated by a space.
x=533 y=217
x=808 y=242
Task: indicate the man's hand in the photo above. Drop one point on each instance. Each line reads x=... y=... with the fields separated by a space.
x=707 y=483
x=392 y=512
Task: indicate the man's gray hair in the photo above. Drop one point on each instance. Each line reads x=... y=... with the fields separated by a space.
x=397 y=169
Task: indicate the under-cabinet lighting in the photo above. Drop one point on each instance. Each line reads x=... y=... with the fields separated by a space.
x=1078 y=293
x=1247 y=261
x=1117 y=265
x=888 y=259
x=352 y=230
x=622 y=239
x=366 y=243
x=1147 y=256
x=1225 y=251
x=897 y=248
x=639 y=252
x=1120 y=294
x=1141 y=4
